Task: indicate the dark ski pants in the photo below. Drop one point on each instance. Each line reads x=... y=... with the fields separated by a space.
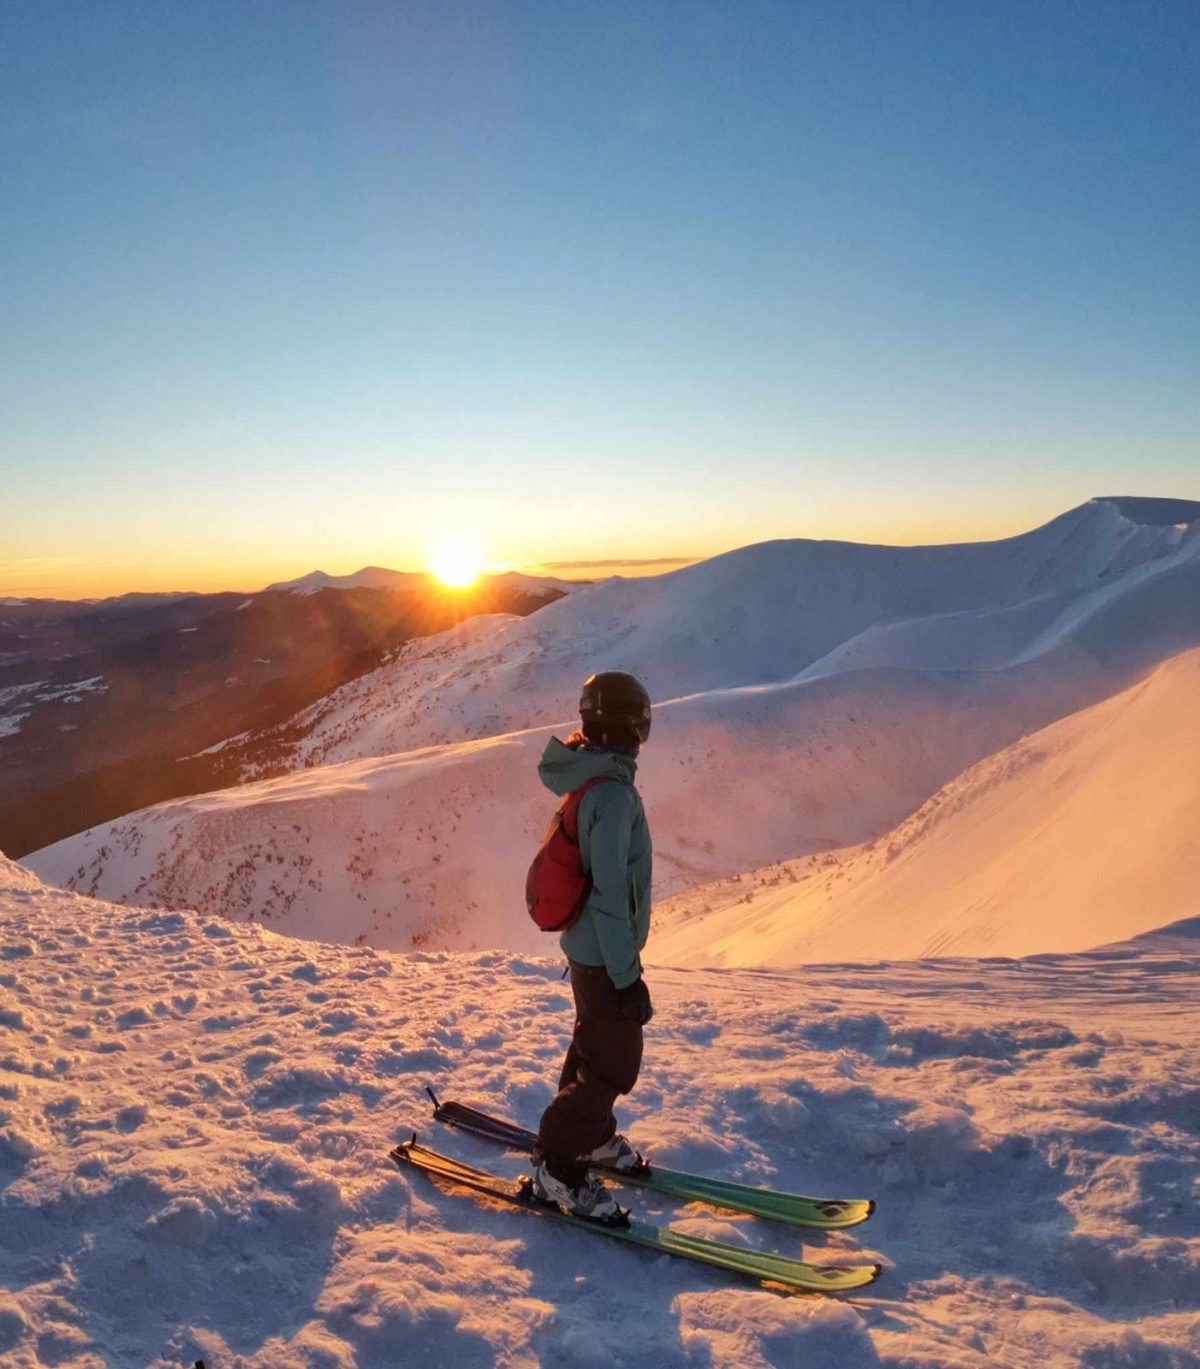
x=602 y=1061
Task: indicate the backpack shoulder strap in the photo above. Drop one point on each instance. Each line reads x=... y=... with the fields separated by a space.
x=570 y=806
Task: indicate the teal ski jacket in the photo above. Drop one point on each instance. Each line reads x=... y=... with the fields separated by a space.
x=614 y=841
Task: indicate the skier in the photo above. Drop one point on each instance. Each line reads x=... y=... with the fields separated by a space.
x=612 y=1002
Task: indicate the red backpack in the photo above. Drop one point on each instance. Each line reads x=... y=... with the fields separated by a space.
x=557 y=886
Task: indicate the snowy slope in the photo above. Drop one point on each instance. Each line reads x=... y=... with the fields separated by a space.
x=194 y=1118
x=429 y=848
x=1087 y=831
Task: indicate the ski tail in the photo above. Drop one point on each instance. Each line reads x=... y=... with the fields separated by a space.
x=464 y=1118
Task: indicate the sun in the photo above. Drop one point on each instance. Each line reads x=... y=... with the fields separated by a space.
x=457 y=562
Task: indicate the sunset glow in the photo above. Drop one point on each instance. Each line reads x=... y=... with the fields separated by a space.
x=457 y=562
x=676 y=348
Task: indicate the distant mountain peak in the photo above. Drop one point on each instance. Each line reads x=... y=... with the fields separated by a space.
x=369 y=577
x=379 y=577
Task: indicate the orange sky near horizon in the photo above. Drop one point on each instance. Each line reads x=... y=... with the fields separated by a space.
x=162 y=569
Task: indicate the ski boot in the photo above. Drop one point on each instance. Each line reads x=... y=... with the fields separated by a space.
x=588 y=1198
x=616 y=1153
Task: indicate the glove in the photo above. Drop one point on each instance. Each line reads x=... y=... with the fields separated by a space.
x=633 y=1003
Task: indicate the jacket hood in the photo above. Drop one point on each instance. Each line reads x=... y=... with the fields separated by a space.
x=563 y=770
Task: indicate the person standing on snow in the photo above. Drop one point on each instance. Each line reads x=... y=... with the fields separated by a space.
x=612 y=1002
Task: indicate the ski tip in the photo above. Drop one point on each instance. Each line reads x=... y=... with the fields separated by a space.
x=433 y=1098
x=871 y=1205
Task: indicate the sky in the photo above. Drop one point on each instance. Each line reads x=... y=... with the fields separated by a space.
x=289 y=285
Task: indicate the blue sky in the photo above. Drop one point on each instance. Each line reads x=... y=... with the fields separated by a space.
x=291 y=284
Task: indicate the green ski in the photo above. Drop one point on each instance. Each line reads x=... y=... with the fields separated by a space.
x=796 y=1276
x=826 y=1214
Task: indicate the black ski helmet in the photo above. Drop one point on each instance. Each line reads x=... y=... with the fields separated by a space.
x=615 y=709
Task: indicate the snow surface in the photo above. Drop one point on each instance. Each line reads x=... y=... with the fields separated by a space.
x=817 y=694
x=23 y=699
x=195 y=1114
x=217 y=747
x=1084 y=832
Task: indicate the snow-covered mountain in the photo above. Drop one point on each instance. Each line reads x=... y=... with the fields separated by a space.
x=369 y=577
x=195 y=1116
x=412 y=813
x=1096 y=588
x=1084 y=832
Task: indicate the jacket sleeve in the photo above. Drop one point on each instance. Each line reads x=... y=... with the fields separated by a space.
x=610 y=826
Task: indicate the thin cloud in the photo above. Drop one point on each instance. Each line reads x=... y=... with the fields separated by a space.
x=619 y=563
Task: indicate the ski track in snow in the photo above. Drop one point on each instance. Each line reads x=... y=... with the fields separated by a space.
x=195 y=1115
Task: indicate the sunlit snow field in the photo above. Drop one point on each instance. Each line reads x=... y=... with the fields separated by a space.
x=195 y=1117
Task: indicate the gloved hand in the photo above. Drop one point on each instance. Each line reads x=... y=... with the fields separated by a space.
x=633 y=1003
